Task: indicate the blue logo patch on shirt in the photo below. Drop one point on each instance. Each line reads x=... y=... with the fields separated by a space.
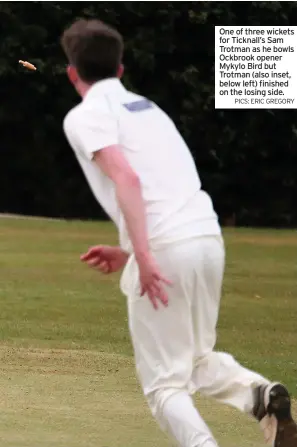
x=138 y=106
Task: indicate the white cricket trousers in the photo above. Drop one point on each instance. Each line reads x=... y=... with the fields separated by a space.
x=173 y=346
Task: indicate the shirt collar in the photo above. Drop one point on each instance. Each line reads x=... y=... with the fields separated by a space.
x=103 y=87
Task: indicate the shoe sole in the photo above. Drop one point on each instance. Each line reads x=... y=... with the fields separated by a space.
x=278 y=406
x=277 y=402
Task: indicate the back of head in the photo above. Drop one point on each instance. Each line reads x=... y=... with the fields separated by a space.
x=94 y=49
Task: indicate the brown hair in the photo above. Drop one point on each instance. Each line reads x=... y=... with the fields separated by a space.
x=94 y=48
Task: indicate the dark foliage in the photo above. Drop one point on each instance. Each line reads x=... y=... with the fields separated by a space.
x=247 y=159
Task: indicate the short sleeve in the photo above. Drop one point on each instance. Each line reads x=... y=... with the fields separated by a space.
x=90 y=130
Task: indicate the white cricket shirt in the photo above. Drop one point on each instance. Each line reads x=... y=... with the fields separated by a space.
x=176 y=207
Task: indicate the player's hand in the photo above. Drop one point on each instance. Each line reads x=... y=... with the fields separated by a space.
x=152 y=282
x=105 y=258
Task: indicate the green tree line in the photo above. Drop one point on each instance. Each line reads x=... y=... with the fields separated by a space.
x=247 y=159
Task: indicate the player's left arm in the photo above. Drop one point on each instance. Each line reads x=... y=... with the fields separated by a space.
x=114 y=164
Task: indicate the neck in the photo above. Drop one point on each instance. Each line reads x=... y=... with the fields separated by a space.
x=82 y=88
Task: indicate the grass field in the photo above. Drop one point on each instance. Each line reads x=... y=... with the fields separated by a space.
x=67 y=376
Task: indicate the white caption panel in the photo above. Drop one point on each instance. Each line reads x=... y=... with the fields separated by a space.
x=255 y=67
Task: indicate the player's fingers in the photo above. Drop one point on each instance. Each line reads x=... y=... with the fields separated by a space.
x=85 y=256
x=103 y=267
x=151 y=293
x=93 y=251
x=163 y=297
x=160 y=294
x=94 y=262
x=163 y=279
x=153 y=298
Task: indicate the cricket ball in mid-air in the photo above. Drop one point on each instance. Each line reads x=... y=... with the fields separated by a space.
x=28 y=65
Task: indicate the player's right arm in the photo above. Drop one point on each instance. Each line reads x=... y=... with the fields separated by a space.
x=96 y=134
